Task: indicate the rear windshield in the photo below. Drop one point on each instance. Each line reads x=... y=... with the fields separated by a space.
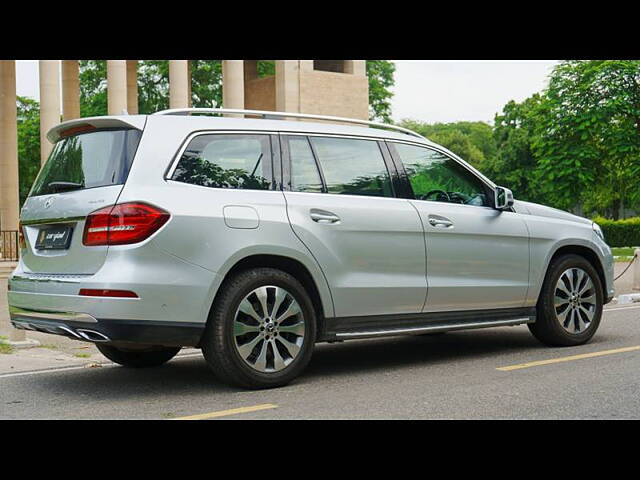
x=95 y=159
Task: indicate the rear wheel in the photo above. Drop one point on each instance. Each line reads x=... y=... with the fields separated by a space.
x=138 y=358
x=261 y=331
x=570 y=303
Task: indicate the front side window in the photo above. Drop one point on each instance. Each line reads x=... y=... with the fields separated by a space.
x=352 y=166
x=437 y=177
x=226 y=161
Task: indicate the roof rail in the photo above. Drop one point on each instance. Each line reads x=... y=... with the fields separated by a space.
x=278 y=115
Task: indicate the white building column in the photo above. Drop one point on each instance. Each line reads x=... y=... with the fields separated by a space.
x=9 y=202
x=9 y=196
x=288 y=84
x=116 y=86
x=49 y=103
x=233 y=84
x=179 y=83
x=70 y=90
x=132 y=87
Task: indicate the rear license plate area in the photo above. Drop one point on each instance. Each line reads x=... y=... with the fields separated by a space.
x=54 y=238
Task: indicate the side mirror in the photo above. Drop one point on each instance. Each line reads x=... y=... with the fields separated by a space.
x=503 y=198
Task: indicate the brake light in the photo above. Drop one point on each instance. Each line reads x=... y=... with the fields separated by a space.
x=91 y=292
x=22 y=243
x=123 y=224
x=76 y=130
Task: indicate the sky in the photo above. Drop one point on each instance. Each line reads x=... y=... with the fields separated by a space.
x=426 y=90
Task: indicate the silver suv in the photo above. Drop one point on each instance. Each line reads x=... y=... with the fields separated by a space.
x=255 y=238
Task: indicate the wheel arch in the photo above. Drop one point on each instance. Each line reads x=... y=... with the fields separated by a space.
x=323 y=306
x=587 y=253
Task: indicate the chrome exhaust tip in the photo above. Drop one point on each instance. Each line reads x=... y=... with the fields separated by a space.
x=92 y=335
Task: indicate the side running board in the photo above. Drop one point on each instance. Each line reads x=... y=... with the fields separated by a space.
x=434 y=328
x=432 y=322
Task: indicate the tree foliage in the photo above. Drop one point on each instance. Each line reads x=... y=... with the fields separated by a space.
x=470 y=140
x=380 y=74
x=28 y=113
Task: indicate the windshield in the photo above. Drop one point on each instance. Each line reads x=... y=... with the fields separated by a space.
x=95 y=159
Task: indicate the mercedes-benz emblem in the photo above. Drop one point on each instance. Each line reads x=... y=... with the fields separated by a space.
x=48 y=202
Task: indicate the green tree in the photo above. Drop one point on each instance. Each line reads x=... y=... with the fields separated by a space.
x=588 y=142
x=472 y=141
x=380 y=75
x=514 y=163
x=28 y=144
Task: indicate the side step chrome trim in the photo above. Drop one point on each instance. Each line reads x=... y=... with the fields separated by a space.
x=435 y=328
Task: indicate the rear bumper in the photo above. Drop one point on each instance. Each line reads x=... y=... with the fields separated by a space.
x=84 y=327
x=174 y=298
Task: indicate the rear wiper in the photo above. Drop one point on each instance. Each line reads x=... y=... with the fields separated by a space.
x=64 y=186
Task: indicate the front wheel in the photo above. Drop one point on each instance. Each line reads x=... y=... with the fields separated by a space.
x=138 y=358
x=570 y=303
x=261 y=331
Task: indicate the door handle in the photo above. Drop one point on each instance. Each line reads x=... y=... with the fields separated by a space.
x=322 y=216
x=440 y=222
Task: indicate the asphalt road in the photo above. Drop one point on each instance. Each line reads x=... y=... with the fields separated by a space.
x=451 y=376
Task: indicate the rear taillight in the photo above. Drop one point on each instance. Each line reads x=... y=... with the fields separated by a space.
x=123 y=224
x=22 y=243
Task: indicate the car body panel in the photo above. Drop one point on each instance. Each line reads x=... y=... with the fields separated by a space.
x=480 y=262
x=372 y=264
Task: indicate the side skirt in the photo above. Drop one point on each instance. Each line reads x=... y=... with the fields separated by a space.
x=344 y=328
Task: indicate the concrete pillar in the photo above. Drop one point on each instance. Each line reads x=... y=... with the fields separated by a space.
x=70 y=90
x=190 y=82
x=116 y=86
x=288 y=86
x=49 y=103
x=636 y=270
x=9 y=200
x=233 y=84
x=132 y=87
x=356 y=67
x=178 y=83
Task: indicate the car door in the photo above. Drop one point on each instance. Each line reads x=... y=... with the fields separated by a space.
x=477 y=256
x=341 y=204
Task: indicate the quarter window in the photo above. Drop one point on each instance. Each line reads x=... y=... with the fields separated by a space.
x=437 y=177
x=304 y=171
x=226 y=161
x=352 y=166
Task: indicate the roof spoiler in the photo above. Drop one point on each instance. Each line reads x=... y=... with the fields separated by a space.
x=124 y=121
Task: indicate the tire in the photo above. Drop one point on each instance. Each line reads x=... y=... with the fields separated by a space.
x=559 y=326
x=239 y=346
x=138 y=358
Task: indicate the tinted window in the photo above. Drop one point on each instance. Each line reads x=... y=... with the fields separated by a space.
x=352 y=166
x=89 y=160
x=304 y=171
x=436 y=177
x=226 y=161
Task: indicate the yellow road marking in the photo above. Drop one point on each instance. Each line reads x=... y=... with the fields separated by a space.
x=568 y=359
x=224 y=413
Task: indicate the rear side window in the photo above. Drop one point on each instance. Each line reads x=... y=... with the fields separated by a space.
x=94 y=159
x=226 y=161
x=304 y=171
x=352 y=166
